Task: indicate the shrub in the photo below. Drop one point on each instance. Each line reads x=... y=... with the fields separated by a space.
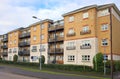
x=15 y=58
x=98 y=62
x=42 y=59
x=51 y=66
x=0 y=58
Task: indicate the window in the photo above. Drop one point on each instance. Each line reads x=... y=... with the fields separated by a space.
x=103 y=12
x=85 y=29
x=34 y=38
x=34 y=28
x=85 y=15
x=61 y=46
x=15 y=50
x=42 y=48
x=104 y=42
x=10 y=42
x=71 y=18
x=10 y=50
x=86 y=43
x=14 y=41
x=71 y=44
x=104 y=27
x=71 y=31
x=85 y=57
x=34 y=48
x=42 y=26
x=42 y=36
x=61 y=34
x=71 y=58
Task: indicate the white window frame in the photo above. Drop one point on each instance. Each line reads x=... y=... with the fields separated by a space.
x=104 y=27
x=71 y=31
x=42 y=26
x=85 y=43
x=71 y=18
x=85 y=57
x=85 y=15
x=34 y=28
x=61 y=34
x=71 y=44
x=42 y=37
x=34 y=38
x=85 y=29
x=71 y=58
x=104 y=42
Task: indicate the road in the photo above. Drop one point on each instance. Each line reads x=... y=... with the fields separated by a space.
x=5 y=75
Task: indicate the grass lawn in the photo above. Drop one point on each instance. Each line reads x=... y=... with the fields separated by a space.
x=95 y=75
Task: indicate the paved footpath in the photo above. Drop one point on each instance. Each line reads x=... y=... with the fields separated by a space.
x=42 y=75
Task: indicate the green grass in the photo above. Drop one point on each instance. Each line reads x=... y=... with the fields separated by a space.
x=93 y=75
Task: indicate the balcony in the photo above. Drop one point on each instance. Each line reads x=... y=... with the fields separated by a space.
x=23 y=44
x=42 y=50
x=51 y=39
x=51 y=28
x=70 y=48
x=34 y=50
x=5 y=40
x=57 y=51
x=85 y=47
x=24 y=53
x=58 y=39
x=85 y=32
x=71 y=34
x=4 y=47
x=25 y=35
x=5 y=54
x=59 y=27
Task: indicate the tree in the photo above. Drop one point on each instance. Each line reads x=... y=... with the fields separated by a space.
x=98 y=62
x=42 y=59
x=15 y=58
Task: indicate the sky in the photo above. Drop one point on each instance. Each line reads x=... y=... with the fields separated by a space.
x=18 y=13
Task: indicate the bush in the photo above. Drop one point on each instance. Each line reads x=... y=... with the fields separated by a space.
x=98 y=62
x=42 y=59
x=0 y=58
x=15 y=58
x=51 y=66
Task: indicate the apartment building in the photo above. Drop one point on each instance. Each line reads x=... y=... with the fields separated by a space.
x=74 y=40
x=90 y=30
x=24 y=45
x=1 y=37
x=39 y=38
x=55 y=42
x=4 y=46
x=13 y=41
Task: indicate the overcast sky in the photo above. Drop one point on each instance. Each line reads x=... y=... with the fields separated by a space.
x=18 y=13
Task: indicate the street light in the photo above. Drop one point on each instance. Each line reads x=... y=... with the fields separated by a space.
x=40 y=40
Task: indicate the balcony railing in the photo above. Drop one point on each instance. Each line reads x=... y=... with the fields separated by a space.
x=4 y=47
x=24 y=53
x=70 y=48
x=52 y=28
x=5 y=40
x=58 y=50
x=71 y=34
x=4 y=54
x=34 y=50
x=22 y=44
x=85 y=32
x=58 y=38
x=42 y=50
x=85 y=47
x=25 y=35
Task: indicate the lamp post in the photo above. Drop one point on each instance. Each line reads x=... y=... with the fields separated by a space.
x=40 y=41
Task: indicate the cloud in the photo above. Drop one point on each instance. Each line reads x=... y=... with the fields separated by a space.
x=18 y=13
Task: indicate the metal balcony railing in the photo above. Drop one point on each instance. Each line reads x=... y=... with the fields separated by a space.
x=70 y=48
x=22 y=44
x=71 y=34
x=24 y=52
x=25 y=35
x=85 y=32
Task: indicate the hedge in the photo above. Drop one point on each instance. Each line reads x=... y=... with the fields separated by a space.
x=51 y=66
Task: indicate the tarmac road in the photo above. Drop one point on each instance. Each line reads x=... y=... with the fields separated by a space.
x=5 y=75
